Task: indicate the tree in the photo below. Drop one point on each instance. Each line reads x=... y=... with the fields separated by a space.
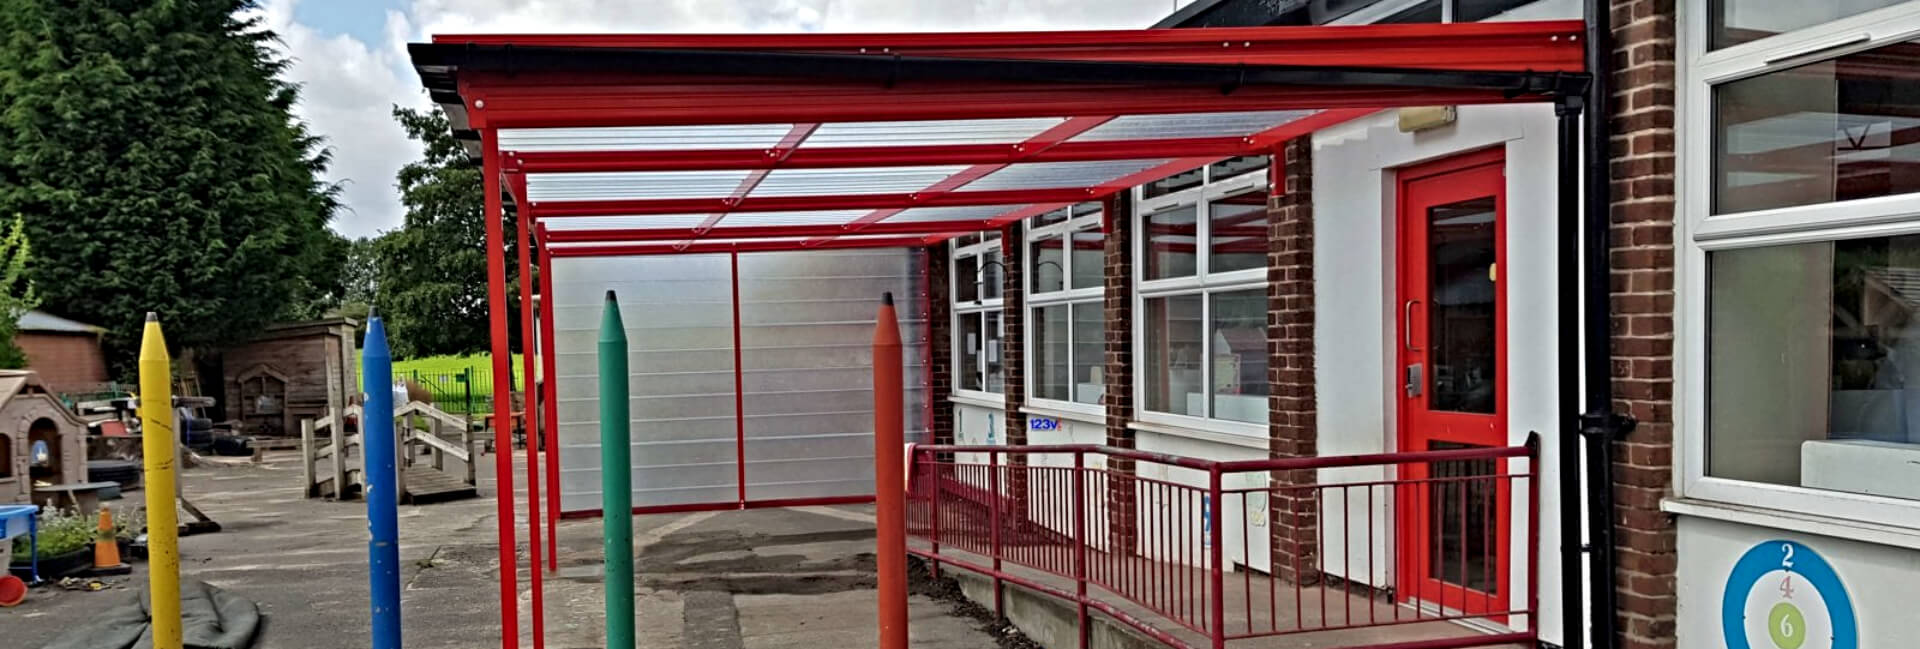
x=16 y=292
x=152 y=148
x=431 y=274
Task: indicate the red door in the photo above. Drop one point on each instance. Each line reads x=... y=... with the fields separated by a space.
x=1452 y=351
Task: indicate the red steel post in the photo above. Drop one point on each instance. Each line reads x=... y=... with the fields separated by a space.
x=1080 y=548
x=530 y=422
x=890 y=477
x=502 y=386
x=1216 y=575
x=549 y=391
x=993 y=521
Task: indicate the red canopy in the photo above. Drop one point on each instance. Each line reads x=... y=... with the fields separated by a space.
x=633 y=144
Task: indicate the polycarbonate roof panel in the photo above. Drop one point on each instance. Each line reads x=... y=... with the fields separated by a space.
x=1160 y=127
x=1044 y=175
x=660 y=221
x=719 y=183
x=858 y=180
x=644 y=138
x=929 y=132
x=936 y=214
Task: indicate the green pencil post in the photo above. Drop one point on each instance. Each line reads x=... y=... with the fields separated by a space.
x=616 y=476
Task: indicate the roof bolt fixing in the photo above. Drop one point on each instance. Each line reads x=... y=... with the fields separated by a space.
x=479 y=103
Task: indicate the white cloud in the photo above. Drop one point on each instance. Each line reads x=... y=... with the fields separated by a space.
x=349 y=85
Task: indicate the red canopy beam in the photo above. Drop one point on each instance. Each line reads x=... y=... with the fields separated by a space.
x=875 y=156
x=752 y=231
x=774 y=157
x=659 y=206
x=1412 y=45
x=743 y=246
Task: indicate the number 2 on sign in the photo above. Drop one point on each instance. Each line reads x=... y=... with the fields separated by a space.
x=1786 y=560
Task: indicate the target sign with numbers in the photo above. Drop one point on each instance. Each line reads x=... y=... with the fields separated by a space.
x=1783 y=595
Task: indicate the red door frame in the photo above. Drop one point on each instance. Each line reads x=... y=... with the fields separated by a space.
x=1465 y=176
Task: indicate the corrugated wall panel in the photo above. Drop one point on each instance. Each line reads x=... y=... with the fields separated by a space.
x=679 y=318
x=807 y=329
x=806 y=351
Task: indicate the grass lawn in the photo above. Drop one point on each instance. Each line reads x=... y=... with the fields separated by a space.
x=436 y=366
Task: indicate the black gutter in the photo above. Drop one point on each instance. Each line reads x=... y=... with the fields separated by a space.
x=440 y=61
x=1599 y=424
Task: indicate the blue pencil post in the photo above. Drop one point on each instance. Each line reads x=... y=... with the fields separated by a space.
x=383 y=506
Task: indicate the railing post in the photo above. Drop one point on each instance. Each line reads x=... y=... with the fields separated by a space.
x=1080 y=549
x=1533 y=536
x=936 y=488
x=993 y=524
x=439 y=456
x=1216 y=575
x=335 y=428
x=306 y=457
x=473 y=459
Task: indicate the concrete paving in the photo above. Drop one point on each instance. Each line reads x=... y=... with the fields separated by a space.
x=727 y=580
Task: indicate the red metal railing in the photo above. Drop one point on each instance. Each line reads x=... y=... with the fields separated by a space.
x=1196 y=552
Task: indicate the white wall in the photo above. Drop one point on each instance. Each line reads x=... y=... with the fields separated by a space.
x=1356 y=373
x=1876 y=579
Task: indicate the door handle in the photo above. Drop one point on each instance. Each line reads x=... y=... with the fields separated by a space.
x=1416 y=379
x=1406 y=325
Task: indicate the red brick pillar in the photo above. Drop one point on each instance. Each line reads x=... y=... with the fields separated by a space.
x=1117 y=374
x=939 y=345
x=1012 y=352
x=1642 y=253
x=1291 y=427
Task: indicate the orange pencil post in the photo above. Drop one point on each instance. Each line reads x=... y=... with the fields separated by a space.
x=889 y=471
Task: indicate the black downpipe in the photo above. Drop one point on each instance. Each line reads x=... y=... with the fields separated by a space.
x=1567 y=256
x=1600 y=425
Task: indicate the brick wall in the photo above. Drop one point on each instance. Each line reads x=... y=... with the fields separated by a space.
x=1012 y=342
x=1642 y=295
x=1291 y=427
x=65 y=362
x=939 y=344
x=1117 y=398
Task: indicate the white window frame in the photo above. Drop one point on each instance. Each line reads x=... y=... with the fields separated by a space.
x=1202 y=283
x=959 y=309
x=1699 y=232
x=1067 y=296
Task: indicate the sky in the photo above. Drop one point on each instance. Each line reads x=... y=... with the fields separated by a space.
x=350 y=56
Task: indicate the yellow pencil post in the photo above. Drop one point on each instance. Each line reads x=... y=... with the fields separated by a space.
x=163 y=525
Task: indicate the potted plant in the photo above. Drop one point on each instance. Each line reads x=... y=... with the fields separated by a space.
x=129 y=530
x=66 y=545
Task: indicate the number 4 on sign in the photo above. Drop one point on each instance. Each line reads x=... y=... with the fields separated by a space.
x=1786 y=587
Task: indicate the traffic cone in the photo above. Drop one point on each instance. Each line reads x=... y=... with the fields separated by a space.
x=106 y=553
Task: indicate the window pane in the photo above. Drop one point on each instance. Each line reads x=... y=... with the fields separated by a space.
x=1732 y=22
x=1472 y=11
x=1050 y=369
x=966 y=279
x=1813 y=365
x=996 y=377
x=1171 y=236
x=1174 y=340
x=1089 y=258
x=1231 y=167
x=1239 y=237
x=1461 y=321
x=1089 y=351
x=969 y=361
x=1425 y=12
x=1048 y=264
x=1171 y=184
x=993 y=276
x=1830 y=131
x=1240 y=356
x=1050 y=218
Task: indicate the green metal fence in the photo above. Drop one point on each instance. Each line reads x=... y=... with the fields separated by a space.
x=460 y=393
